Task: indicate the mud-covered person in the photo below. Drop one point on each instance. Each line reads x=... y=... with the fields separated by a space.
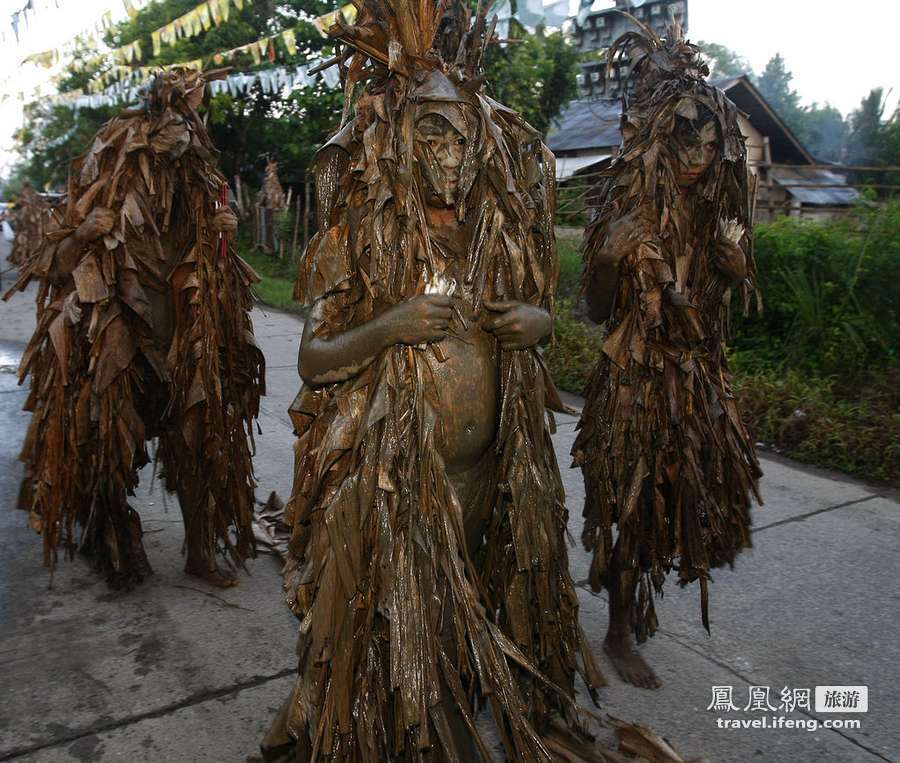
x=62 y=260
x=465 y=366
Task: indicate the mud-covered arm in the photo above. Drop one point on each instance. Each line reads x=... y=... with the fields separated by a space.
x=343 y=355
x=607 y=245
x=69 y=250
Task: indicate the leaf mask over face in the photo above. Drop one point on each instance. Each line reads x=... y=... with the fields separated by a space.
x=696 y=147
x=440 y=150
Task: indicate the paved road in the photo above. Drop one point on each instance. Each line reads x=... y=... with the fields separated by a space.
x=176 y=671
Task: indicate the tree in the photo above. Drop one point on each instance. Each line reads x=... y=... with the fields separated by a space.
x=863 y=143
x=536 y=76
x=724 y=62
x=824 y=132
x=821 y=129
x=775 y=85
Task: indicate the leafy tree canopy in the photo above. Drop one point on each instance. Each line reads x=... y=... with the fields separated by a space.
x=536 y=76
x=724 y=62
x=246 y=129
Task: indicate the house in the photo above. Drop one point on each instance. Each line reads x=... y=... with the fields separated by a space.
x=790 y=180
x=595 y=31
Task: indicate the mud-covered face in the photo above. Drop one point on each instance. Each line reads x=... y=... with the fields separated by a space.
x=696 y=147
x=171 y=135
x=439 y=151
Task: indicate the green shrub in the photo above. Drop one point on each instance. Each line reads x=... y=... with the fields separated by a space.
x=276 y=289
x=574 y=351
x=569 y=270
x=818 y=421
x=831 y=297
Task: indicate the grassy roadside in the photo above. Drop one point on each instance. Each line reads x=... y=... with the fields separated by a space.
x=850 y=427
x=276 y=289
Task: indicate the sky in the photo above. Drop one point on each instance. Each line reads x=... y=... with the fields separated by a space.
x=835 y=55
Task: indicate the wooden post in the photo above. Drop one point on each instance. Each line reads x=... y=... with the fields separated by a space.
x=296 y=230
x=238 y=191
x=306 y=195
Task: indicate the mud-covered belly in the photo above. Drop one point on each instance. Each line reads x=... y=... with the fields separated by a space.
x=468 y=386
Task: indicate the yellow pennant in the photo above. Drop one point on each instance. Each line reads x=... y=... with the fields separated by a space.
x=216 y=11
x=205 y=20
x=290 y=41
x=224 y=8
x=157 y=43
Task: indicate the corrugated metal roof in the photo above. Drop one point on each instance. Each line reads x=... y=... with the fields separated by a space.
x=587 y=124
x=820 y=197
x=566 y=166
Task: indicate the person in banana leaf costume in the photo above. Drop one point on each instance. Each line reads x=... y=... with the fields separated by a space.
x=28 y=217
x=143 y=332
x=427 y=564
x=664 y=453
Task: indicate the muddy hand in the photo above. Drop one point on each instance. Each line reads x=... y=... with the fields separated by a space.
x=420 y=320
x=731 y=260
x=517 y=325
x=98 y=223
x=224 y=221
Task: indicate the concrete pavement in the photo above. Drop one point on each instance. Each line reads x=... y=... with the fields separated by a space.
x=179 y=672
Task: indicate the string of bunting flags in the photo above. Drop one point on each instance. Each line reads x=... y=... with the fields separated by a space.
x=265 y=48
x=199 y=19
x=278 y=79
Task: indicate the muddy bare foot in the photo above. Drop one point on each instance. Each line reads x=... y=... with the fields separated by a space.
x=630 y=666
x=215 y=576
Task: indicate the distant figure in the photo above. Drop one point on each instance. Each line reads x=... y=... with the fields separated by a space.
x=143 y=332
x=665 y=455
x=28 y=217
x=269 y=201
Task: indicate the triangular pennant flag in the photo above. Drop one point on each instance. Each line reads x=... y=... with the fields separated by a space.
x=263 y=47
x=138 y=53
x=239 y=4
x=224 y=8
x=290 y=41
x=254 y=51
x=216 y=11
x=205 y=20
x=157 y=46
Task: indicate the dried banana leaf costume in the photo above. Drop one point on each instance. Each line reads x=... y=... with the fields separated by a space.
x=28 y=217
x=400 y=628
x=664 y=452
x=148 y=336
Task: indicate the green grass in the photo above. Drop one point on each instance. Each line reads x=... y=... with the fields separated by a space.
x=569 y=270
x=849 y=426
x=277 y=286
x=574 y=350
x=817 y=420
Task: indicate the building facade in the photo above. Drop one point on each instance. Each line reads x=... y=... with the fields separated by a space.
x=595 y=31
